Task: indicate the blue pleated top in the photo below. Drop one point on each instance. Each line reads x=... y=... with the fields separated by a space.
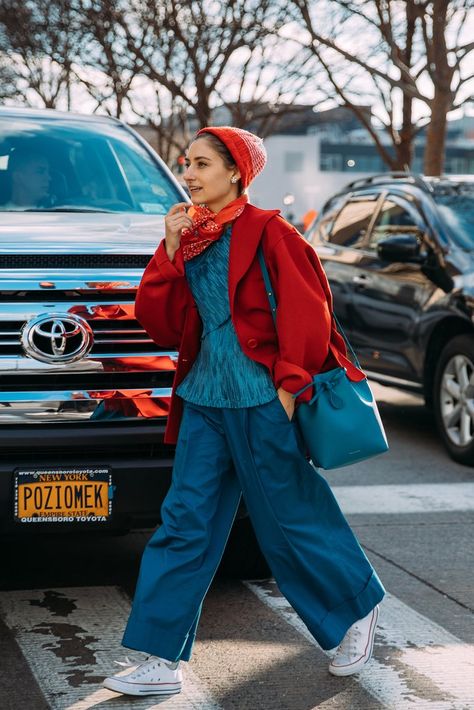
x=222 y=375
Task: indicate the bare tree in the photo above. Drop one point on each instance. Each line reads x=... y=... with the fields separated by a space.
x=267 y=88
x=174 y=63
x=8 y=80
x=40 y=39
x=105 y=51
x=191 y=49
x=447 y=68
x=169 y=117
x=412 y=53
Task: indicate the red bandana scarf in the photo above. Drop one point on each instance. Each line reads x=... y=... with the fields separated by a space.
x=208 y=226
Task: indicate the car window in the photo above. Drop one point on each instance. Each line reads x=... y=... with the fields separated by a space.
x=393 y=218
x=456 y=208
x=73 y=165
x=352 y=223
x=320 y=229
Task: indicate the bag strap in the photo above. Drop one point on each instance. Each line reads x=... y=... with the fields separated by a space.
x=273 y=303
x=268 y=283
x=346 y=340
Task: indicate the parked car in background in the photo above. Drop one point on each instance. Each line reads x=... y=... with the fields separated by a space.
x=398 y=250
x=84 y=392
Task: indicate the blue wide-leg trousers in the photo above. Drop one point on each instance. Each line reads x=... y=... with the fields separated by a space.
x=314 y=556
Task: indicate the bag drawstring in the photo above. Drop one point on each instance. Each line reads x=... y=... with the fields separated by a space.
x=326 y=386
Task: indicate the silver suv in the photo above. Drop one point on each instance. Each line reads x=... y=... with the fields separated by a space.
x=84 y=392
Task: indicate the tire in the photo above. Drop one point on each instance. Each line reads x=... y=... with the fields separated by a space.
x=243 y=558
x=453 y=398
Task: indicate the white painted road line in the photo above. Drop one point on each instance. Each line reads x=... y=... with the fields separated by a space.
x=409 y=498
x=71 y=636
x=70 y=639
x=416 y=663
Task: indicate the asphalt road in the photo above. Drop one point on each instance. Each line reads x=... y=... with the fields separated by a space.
x=63 y=603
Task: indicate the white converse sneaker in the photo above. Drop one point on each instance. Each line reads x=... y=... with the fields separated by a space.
x=356 y=647
x=155 y=676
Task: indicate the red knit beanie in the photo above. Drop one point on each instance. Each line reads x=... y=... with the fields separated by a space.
x=246 y=148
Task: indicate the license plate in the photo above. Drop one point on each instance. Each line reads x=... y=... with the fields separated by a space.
x=73 y=495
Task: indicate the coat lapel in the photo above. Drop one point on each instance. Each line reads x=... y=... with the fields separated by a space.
x=246 y=234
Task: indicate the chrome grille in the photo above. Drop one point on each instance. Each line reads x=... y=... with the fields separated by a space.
x=74 y=261
x=120 y=336
x=124 y=378
x=110 y=337
x=10 y=338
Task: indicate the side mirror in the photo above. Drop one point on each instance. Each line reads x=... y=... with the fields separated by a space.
x=399 y=247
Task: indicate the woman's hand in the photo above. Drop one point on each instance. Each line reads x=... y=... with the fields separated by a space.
x=176 y=220
x=288 y=401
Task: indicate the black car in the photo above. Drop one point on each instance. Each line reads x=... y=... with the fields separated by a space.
x=398 y=250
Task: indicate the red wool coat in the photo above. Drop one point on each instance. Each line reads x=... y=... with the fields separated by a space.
x=307 y=341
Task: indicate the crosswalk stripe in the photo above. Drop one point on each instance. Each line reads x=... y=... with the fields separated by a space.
x=70 y=637
x=417 y=663
x=407 y=498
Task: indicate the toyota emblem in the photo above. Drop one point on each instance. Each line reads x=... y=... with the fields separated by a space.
x=57 y=338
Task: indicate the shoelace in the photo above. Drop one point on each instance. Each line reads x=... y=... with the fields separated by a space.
x=348 y=645
x=140 y=670
x=156 y=663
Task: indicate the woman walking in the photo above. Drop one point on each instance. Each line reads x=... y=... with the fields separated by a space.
x=232 y=416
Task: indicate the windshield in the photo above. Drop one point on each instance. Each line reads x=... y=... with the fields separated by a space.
x=457 y=212
x=73 y=166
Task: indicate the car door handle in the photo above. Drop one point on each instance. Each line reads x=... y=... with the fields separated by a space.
x=362 y=280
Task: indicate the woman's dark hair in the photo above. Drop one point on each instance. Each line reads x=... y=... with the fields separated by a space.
x=223 y=151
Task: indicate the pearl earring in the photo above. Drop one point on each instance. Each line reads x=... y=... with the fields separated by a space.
x=233 y=179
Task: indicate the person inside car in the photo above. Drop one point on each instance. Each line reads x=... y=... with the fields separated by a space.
x=28 y=180
x=232 y=415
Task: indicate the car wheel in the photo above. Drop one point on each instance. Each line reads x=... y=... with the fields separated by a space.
x=453 y=398
x=243 y=558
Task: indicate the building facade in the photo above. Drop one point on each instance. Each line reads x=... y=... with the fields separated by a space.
x=313 y=155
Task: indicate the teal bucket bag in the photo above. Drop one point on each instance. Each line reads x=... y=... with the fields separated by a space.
x=341 y=424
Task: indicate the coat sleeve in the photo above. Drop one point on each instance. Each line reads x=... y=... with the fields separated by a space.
x=163 y=297
x=304 y=313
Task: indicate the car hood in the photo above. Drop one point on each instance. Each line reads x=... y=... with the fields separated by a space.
x=79 y=233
